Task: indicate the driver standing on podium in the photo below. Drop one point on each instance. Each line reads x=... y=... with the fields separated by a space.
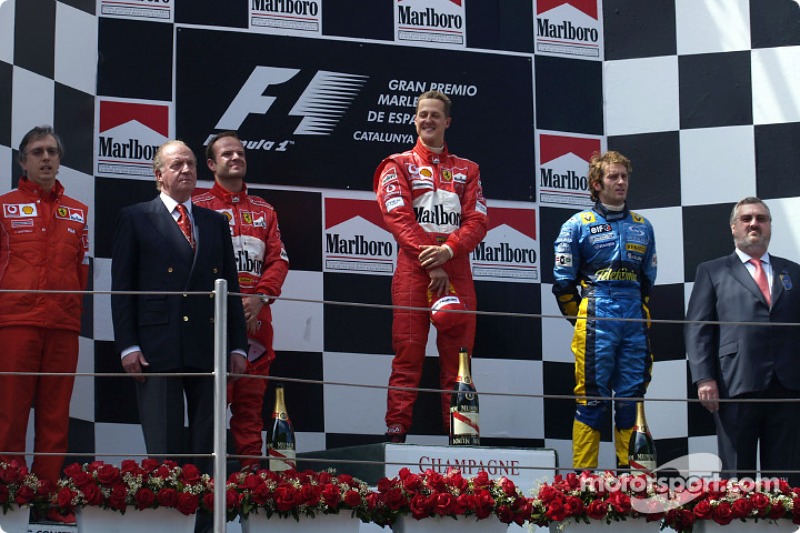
x=433 y=204
x=610 y=254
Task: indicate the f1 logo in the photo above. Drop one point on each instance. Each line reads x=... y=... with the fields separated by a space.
x=323 y=102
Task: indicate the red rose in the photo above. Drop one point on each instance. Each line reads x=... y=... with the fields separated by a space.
x=547 y=493
x=620 y=502
x=435 y=480
x=71 y=470
x=107 y=474
x=420 y=507
x=680 y=519
x=777 y=511
x=373 y=501
x=331 y=495
x=722 y=514
x=92 y=494
x=24 y=495
x=467 y=502
x=311 y=494
x=760 y=503
x=572 y=481
x=441 y=504
x=352 y=498
x=3 y=494
x=129 y=466
x=162 y=471
x=702 y=511
x=597 y=510
x=556 y=511
x=145 y=498
x=187 y=503
x=285 y=497
x=347 y=479
x=457 y=481
x=118 y=497
x=149 y=465
x=482 y=479
x=508 y=486
x=573 y=506
x=522 y=510
x=261 y=495
x=64 y=497
x=81 y=479
x=395 y=499
x=384 y=484
x=231 y=499
x=485 y=503
x=741 y=508
x=190 y=474
x=459 y=505
x=412 y=483
x=10 y=475
x=167 y=497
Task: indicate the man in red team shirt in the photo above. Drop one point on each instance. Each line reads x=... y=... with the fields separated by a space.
x=433 y=204
x=43 y=246
x=263 y=266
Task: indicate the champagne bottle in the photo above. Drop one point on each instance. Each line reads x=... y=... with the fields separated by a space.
x=281 y=445
x=641 y=448
x=464 y=429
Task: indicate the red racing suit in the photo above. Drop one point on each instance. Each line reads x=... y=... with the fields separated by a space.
x=44 y=241
x=428 y=198
x=263 y=265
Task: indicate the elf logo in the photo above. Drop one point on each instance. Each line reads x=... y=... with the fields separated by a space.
x=326 y=98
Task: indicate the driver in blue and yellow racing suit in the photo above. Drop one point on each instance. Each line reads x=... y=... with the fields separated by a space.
x=610 y=253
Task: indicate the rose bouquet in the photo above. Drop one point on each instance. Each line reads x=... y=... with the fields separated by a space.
x=676 y=502
x=588 y=496
x=296 y=494
x=148 y=485
x=431 y=494
x=724 y=501
x=20 y=488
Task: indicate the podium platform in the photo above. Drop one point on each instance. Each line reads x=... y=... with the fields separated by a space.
x=371 y=462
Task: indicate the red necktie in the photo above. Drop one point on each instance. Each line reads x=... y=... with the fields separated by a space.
x=185 y=223
x=761 y=280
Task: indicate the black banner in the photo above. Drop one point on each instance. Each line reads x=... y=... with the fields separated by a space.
x=320 y=113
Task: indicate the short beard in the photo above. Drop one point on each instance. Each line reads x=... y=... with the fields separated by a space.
x=751 y=248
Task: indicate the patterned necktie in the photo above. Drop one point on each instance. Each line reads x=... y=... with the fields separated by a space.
x=185 y=223
x=761 y=280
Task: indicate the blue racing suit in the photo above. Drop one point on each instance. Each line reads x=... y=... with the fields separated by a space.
x=612 y=256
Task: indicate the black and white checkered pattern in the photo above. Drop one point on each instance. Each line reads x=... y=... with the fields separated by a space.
x=702 y=95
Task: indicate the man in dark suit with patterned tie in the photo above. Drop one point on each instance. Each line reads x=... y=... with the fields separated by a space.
x=169 y=245
x=746 y=362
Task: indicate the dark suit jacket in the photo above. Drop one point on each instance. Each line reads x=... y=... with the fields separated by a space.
x=151 y=254
x=743 y=358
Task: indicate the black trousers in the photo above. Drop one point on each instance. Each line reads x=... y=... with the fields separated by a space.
x=767 y=430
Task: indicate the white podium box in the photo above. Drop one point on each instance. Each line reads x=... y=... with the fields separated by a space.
x=526 y=467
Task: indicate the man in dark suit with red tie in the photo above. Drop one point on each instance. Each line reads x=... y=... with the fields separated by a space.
x=738 y=361
x=169 y=245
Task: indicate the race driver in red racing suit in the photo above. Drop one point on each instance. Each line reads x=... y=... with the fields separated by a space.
x=263 y=265
x=432 y=202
